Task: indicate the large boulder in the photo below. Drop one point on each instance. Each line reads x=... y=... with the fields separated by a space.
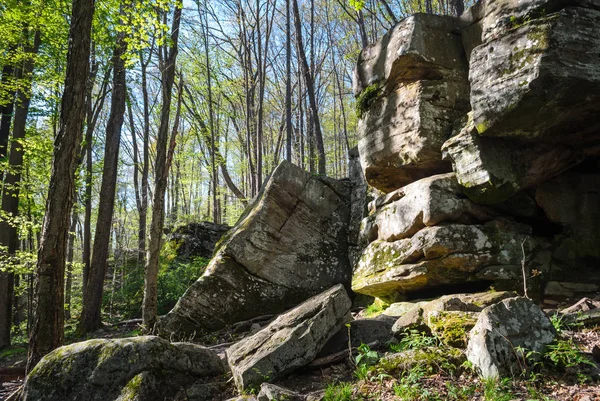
x=411 y=86
x=504 y=333
x=107 y=370
x=540 y=80
x=443 y=255
x=291 y=341
x=291 y=243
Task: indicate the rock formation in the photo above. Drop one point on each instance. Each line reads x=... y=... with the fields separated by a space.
x=291 y=243
x=509 y=95
x=196 y=239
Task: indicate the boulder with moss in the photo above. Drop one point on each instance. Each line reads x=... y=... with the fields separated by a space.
x=504 y=334
x=290 y=243
x=130 y=368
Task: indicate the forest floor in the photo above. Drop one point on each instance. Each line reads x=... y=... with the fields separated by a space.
x=563 y=377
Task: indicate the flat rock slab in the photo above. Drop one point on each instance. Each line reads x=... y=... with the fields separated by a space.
x=290 y=243
x=101 y=370
x=501 y=331
x=425 y=203
x=291 y=341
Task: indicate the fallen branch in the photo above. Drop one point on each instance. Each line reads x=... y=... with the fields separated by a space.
x=337 y=357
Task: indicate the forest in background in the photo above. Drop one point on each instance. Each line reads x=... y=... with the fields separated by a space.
x=185 y=111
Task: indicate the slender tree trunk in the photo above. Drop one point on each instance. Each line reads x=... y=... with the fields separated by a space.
x=146 y=163
x=11 y=189
x=149 y=307
x=389 y=11
x=7 y=114
x=308 y=79
x=92 y=302
x=70 y=251
x=48 y=326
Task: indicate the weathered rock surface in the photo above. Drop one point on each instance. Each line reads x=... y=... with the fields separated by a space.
x=197 y=239
x=289 y=342
x=291 y=243
x=540 y=80
x=422 y=46
x=441 y=255
x=491 y=170
x=401 y=134
x=425 y=203
x=271 y=392
x=501 y=330
x=106 y=370
x=411 y=86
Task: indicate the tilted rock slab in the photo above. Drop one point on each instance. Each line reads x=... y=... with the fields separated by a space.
x=100 y=370
x=291 y=341
x=411 y=86
x=441 y=255
x=501 y=331
x=425 y=203
x=291 y=243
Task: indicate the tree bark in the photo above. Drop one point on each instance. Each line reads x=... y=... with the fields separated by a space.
x=92 y=302
x=167 y=68
x=7 y=114
x=48 y=325
x=308 y=79
x=70 y=251
x=288 y=82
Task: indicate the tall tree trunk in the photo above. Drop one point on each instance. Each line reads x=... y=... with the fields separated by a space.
x=6 y=111
x=143 y=212
x=308 y=79
x=167 y=68
x=92 y=113
x=10 y=194
x=92 y=302
x=48 y=326
x=288 y=82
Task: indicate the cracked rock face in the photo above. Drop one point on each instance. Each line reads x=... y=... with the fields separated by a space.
x=501 y=330
x=291 y=341
x=290 y=243
x=440 y=255
x=107 y=370
x=411 y=86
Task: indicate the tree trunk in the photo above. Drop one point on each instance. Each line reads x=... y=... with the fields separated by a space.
x=308 y=79
x=167 y=68
x=70 y=251
x=146 y=163
x=48 y=325
x=92 y=302
x=10 y=196
x=288 y=82
x=6 y=112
